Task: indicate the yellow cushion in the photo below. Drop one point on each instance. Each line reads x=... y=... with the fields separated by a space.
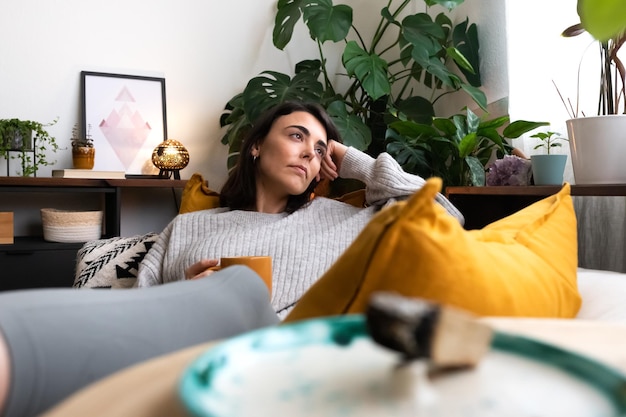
x=521 y=265
x=197 y=195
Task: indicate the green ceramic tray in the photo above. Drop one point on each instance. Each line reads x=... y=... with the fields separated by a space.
x=331 y=367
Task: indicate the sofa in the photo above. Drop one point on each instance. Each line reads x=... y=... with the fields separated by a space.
x=535 y=248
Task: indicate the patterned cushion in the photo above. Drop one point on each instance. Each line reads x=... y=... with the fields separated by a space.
x=111 y=263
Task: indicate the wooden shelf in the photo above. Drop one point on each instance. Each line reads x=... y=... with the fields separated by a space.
x=541 y=190
x=484 y=205
x=31 y=262
x=39 y=182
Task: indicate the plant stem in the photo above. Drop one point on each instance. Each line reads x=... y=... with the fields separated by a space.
x=327 y=82
x=384 y=24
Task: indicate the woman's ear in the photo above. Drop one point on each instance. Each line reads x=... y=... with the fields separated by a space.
x=255 y=150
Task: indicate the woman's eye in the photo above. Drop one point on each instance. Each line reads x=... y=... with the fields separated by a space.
x=321 y=152
x=297 y=135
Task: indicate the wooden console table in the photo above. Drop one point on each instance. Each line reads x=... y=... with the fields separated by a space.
x=32 y=262
x=484 y=205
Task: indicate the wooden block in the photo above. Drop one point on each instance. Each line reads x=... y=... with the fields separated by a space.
x=418 y=329
x=6 y=228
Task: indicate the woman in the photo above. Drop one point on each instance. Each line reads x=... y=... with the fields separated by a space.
x=53 y=342
x=267 y=207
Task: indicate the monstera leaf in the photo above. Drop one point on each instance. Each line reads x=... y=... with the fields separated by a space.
x=369 y=69
x=354 y=132
x=325 y=21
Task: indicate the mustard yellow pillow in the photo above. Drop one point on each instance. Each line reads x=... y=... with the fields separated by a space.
x=197 y=195
x=522 y=265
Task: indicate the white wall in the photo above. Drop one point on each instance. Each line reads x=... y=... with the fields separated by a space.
x=206 y=51
x=539 y=56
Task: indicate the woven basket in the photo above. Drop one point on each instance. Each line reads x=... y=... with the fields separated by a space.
x=71 y=226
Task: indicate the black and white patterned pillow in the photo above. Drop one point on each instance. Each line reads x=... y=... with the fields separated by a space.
x=111 y=263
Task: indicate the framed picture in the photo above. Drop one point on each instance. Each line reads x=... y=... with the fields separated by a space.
x=126 y=117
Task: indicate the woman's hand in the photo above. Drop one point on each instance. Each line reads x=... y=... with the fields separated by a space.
x=331 y=163
x=201 y=269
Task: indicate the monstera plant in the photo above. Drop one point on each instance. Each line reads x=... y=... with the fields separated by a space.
x=403 y=68
x=396 y=75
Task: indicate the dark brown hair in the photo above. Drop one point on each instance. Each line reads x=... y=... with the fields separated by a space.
x=239 y=191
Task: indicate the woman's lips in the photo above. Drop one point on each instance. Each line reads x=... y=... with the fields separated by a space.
x=300 y=169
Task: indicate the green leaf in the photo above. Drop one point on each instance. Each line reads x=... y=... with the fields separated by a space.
x=370 y=70
x=468 y=144
x=477 y=171
x=287 y=16
x=327 y=22
x=476 y=94
x=271 y=88
x=491 y=134
x=448 y=4
x=386 y=14
x=313 y=67
x=417 y=26
x=461 y=129
x=604 y=19
x=445 y=125
x=353 y=131
x=519 y=127
x=417 y=109
x=473 y=121
x=460 y=60
x=437 y=68
x=410 y=156
x=444 y=21
x=494 y=123
x=412 y=129
x=465 y=40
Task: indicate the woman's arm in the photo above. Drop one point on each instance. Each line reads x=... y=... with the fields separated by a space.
x=151 y=268
x=384 y=178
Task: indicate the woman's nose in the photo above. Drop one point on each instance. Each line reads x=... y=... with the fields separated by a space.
x=308 y=151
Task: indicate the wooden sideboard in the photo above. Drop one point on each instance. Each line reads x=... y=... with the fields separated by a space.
x=483 y=205
x=31 y=262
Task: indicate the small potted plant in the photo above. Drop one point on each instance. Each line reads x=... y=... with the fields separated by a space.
x=28 y=141
x=83 y=152
x=548 y=168
x=596 y=141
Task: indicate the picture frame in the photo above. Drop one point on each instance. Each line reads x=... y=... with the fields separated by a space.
x=126 y=117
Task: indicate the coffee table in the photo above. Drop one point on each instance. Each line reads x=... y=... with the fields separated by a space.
x=149 y=389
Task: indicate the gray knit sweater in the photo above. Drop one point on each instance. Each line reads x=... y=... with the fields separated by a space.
x=303 y=245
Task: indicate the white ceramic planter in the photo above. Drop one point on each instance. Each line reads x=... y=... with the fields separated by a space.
x=598 y=145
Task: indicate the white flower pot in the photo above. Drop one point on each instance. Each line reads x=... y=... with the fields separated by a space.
x=597 y=146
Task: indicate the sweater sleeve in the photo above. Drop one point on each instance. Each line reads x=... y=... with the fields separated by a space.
x=151 y=268
x=385 y=179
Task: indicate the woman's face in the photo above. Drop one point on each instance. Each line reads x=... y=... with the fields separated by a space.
x=290 y=156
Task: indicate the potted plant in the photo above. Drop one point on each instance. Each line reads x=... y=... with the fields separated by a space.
x=83 y=152
x=400 y=72
x=30 y=141
x=456 y=149
x=548 y=169
x=597 y=142
x=393 y=78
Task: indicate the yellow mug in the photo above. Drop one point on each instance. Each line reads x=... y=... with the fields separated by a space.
x=262 y=265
